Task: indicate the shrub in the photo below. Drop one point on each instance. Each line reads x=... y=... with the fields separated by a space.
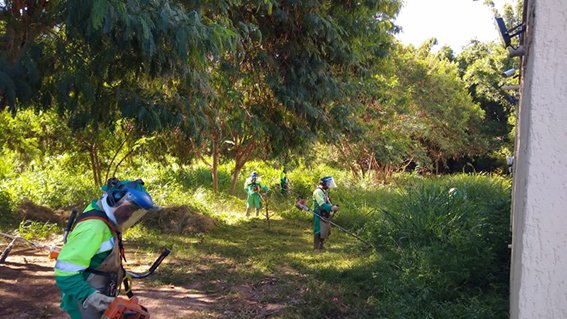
x=8 y=216
x=445 y=248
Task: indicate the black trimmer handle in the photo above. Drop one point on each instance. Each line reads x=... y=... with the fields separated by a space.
x=70 y=223
x=150 y=271
x=158 y=261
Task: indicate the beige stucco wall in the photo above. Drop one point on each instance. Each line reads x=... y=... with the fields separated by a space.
x=539 y=246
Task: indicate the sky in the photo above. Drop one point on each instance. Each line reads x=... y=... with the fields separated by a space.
x=452 y=22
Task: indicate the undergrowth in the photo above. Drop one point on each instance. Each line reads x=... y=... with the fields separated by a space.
x=441 y=242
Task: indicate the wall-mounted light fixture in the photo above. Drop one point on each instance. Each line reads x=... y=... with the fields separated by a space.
x=516 y=51
x=508 y=73
x=507 y=36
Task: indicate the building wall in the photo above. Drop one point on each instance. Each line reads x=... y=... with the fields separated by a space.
x=539 y=245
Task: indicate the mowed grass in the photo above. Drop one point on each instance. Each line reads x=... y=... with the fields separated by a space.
x=253 y=270
x=441 y=253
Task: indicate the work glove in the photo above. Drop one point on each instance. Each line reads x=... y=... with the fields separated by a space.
x=335 y=208
x=97 y=300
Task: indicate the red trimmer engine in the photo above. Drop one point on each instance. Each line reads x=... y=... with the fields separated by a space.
x=122 y=308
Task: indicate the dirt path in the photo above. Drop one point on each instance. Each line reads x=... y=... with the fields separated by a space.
x=28 y=291
x=27 y=286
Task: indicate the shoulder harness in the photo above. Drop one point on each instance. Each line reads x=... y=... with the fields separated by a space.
x=100 y=215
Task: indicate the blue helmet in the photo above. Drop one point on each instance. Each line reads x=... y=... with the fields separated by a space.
x=140 y=198
x=127 y=191
x=254 y=175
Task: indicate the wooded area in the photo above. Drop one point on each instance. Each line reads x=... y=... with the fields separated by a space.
x=235 y=81
x=192 y=96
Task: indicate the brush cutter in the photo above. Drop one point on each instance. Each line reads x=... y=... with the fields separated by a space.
x=264 y=198
x=152 y=268
x=53 y=251
x=122 y=308
x=300 y=204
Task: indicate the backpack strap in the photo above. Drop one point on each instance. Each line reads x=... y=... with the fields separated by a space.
x=97 y=214
x=100 y=215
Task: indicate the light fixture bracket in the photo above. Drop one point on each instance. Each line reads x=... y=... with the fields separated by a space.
x=506 y=34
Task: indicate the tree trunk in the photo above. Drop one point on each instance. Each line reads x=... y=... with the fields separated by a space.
x=95 y=164
x=242 y=155
x=214 y=168
x=235 y=174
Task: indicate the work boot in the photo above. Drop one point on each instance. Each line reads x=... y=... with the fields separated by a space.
x=317 y=241
x=247 y=211
x=257 y=212
x=321 y=246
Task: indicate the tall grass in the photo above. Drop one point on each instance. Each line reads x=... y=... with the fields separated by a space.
x=441 y=241
x=50 y=183
x=445 y=249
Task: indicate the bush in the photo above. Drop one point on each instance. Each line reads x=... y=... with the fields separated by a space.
x=8 y=217
x=52 y=184
x=445 y=249
x=180 y=220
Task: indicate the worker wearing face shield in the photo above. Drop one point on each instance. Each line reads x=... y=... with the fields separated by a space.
x=323 y=207
x=89 y=267
x=254 y=189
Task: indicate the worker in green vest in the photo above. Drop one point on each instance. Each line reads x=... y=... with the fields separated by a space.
x=254 y=189
x=89 y=268
x=284 y=182
x=322 y=207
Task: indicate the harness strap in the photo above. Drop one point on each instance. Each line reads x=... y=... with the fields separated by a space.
x=96 y=214
x=100 y=215
x=126 y=281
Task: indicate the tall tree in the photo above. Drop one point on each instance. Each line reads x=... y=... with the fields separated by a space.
x=297 y=64
x=103 y=60
x=481 y=66
x=417 y=111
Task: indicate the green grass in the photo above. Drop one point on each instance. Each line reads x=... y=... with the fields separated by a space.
x=244 y=254
x=441 y=254
x=445 y=252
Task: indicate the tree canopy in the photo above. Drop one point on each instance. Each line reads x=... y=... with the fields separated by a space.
x=235 y=81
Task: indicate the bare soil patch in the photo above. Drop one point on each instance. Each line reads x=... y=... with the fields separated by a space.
x=28 y=290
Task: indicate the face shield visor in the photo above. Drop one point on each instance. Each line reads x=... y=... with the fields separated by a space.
x=132 y=207
x=329 y=182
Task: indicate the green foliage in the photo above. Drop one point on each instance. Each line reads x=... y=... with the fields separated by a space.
x=443 y=121
x=481 y=65
x=238 y=85
x=291 y=76
x=30 y=229
x=445 y=244
x=51 y=183
x=8 y=164
x=441 y=254
x=417 y=112
x=28 y=136
x=7 y=213
x=20 y=79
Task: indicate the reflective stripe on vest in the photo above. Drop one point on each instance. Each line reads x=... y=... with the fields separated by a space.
x=71 y=267
x=68 y=267
x=106 y=245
